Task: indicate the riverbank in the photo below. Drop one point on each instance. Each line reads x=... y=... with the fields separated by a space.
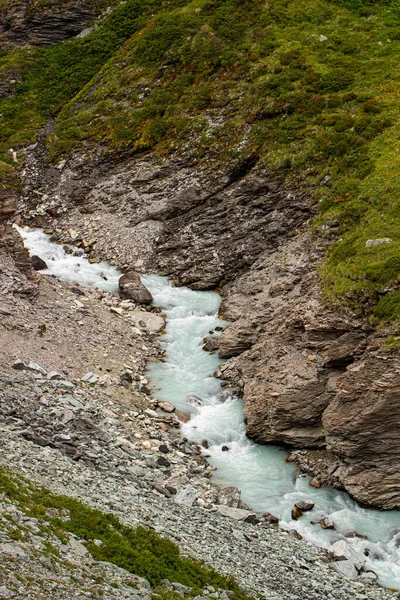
x=128 y=481
x=83 y=439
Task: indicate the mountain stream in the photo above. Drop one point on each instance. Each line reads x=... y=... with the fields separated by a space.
x=185 y=378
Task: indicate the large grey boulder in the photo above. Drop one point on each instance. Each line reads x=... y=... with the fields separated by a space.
x=149 y=321
x=341 y=550
x=131 y=287
x=229 y=496
x=237 y=514
x=186 y=497
x=346 y=569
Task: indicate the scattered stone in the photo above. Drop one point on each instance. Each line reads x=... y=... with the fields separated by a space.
x=164 y=449
x=181 y=589
x=38 y=263
x=162 y=490
x=4 y=311
x=238 y=514
x=6 y=593
x=253 y=519
x=377 y=242
x=117 y=311
x=167 y=407
x=341 y=550
x=18 y=365
x=151 y=413
x=77 y=547
x=186 y=497
x=346 y=569
x=151 y=322
x=12 y=549
x=32 y=366
x=90 y=378
x=127 y=378
x=54 y=375
x=65 y=385
x=77 y=291
x=67 y=417
x=163 y=462
x=229 y=496
x=369 y=576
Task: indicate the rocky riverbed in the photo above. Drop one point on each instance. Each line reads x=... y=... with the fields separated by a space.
x=248 y=233
x=76 y=416
x=114 y=459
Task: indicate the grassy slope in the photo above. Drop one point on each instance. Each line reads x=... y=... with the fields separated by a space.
x=140 y=551
x=311 y=86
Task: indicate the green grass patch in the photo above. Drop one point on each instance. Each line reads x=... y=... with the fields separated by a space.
x=310 y=86
x=140 y=551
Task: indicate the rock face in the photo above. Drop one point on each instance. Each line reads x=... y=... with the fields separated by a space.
x=249 y=236
x=361 y=426
x=132 y=288
x=11 y=244
x=23 y=22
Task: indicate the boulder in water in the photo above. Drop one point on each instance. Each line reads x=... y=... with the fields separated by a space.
x=296 y=513
x=304 y=506
x=38 y=263
x=131 y=287
x=271 y=519
x=327 y=523
x=194 y=400
x=211 y=344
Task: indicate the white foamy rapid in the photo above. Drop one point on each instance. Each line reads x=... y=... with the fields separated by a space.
x=267 y=482
x=68 y=267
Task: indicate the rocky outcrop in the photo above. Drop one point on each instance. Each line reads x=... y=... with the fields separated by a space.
x=40 y=25
x=11 y=244
x=317 y=379
x=361 y=427
x=250 y=236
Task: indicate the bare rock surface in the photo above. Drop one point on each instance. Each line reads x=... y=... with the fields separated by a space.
x=46 y=24
x=247 y=232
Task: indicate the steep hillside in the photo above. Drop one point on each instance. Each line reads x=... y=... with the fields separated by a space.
x=252 y=147
x=309 y=89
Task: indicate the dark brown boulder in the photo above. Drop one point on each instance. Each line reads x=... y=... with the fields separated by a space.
x=38 y=263
x=132 y=288
x=296 y=513
x=304 y=506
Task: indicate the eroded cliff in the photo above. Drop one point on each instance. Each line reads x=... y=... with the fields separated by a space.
x=230 y=147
